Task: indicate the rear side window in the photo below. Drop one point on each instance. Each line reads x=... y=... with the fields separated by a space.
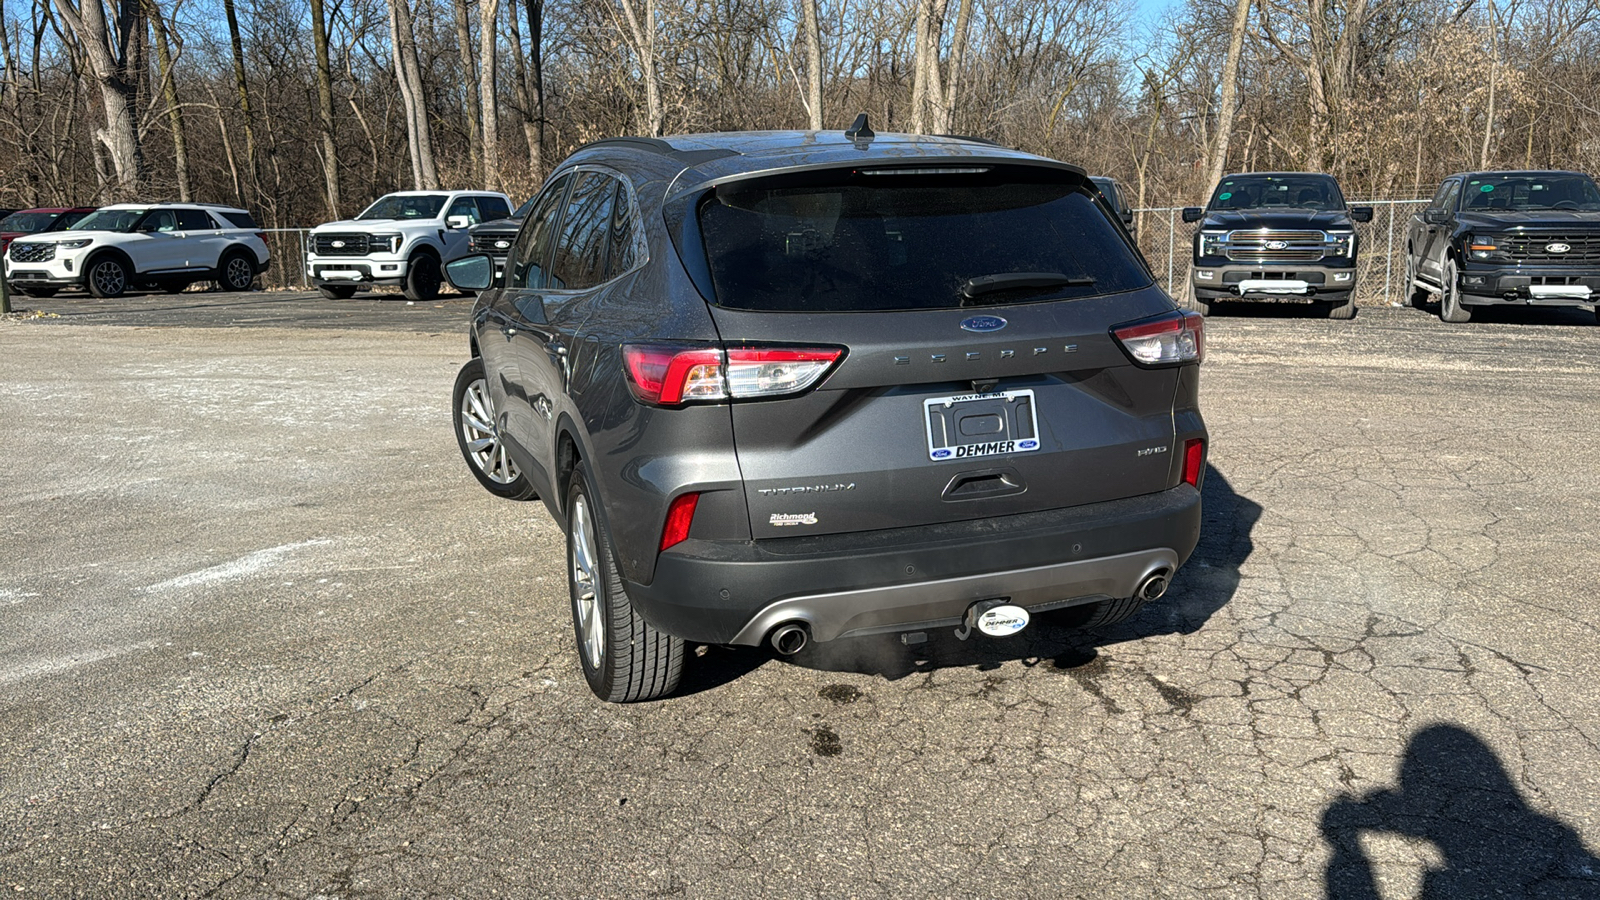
x=870 y=242
x=620 y=258
x=533 y=242
x=240 y=219
x=195 y=220
x=493 y=208
x=580 y=260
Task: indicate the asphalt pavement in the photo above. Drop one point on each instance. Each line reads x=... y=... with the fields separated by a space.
x=262 y=634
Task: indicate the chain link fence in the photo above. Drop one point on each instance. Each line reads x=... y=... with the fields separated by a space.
x=1168 y=244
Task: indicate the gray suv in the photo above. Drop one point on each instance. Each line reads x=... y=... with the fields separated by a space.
x=783 y=387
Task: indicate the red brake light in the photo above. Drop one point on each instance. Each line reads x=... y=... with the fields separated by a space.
x=1194 y=460
x=665 y=375
x=680 y=515
x=1175 y=337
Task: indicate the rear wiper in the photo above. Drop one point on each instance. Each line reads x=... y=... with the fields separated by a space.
x=1010 y=281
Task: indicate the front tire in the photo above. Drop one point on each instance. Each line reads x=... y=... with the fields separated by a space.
x=1198 y=304
x=337 y=291
x=1451 y=309
x=624 y=658
x=478 y=436
x=107 y=278
x=423 y=278
x=236 y=272
x=1344 y=310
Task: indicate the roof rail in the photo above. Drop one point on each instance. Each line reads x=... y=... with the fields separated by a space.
x=974 y=139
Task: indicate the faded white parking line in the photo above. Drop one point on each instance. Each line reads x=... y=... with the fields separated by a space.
x=53 y=664
x=249 y=564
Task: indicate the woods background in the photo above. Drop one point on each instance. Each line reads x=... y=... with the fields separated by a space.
x=306 y=110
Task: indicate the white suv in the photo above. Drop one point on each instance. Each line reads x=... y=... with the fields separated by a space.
x=404 y=239
x=164 y=246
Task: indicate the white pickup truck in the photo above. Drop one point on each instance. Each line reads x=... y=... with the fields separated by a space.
x=403 y=239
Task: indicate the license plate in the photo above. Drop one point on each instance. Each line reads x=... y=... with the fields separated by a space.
x=340 y=274
x=973 y=426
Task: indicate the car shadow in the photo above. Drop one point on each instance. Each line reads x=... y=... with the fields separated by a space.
x=1571 y=316
x=1202 y=587
x=1267 y=309
x=1455 y=794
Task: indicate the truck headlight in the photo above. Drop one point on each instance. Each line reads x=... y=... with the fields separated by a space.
x=1211 y=242
x=1486 y=246
x=385 y=243
x=1340 y=244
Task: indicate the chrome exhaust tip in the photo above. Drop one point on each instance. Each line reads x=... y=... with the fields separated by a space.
x=1152 y=587
x=790 y=638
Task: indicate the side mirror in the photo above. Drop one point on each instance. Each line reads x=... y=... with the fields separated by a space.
x=1127 y=217
x=1193 y=214
x=1361 y=213
x=457 y=221
x=470 y=273
x=1437 y=215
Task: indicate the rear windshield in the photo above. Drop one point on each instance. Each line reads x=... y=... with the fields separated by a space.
x=1531 y=191
x=1292 y=191
x=910 y=241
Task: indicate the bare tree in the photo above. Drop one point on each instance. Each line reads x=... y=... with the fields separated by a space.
x=329 y=152
x=642 y=32
x=488 y=14
x=467 y=55
x=813 y=65
x=107 y=45
x=408 y=72
x=169 y=95
x=1230 y=86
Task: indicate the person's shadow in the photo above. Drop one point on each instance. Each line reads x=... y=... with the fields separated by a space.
x=1202 y=587
x=1455 y=793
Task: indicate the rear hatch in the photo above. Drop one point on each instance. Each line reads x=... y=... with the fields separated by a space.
x=979 y=377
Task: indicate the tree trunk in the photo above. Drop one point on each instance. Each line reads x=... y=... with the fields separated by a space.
x=169 y=95
x=488 y=65
x=330 y=147
x=1230 y=86
x=466 y=54
x=253 y=175
x=958 y=48
x=108 y=63
x=644 y=44
x=813 y=65
x=408 y=72
x=1494 y=73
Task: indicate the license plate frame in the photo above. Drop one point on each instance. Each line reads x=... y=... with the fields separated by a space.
x=1016 y=410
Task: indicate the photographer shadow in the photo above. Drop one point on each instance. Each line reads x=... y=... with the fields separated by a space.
x=1455 y=794
x=1203 y=586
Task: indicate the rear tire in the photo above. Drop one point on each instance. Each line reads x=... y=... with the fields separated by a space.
x=236 y=272
x=478 y=436
x=1451 y=308
x=337 y=291
x=107 y=278
x=423 y=278
x=1345 y=310
x=1110 y=612
x=624 y=658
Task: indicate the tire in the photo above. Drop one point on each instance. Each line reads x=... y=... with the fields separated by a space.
x=1110 y=612
x=479 y=438
x=236 y=271
x=624 y=658
x=423 y=278
x=337 y=291
x=1198 y=304
x=1416 y=298
x=107 y=277
x=1450 y=307
x=1345 y=310
x=40 y=292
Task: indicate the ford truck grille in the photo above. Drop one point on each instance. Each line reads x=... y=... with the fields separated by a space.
x=32 y=253
x=1547 y=248
x=1275 y=246
x=341 y=245
x=496 y=245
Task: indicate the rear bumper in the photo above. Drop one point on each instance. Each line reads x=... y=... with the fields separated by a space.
x=1530 y=285
x=906 y=579
x=1247 y=281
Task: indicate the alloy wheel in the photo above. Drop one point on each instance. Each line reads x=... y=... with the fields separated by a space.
x=239 y=273
x=484 y=446
x=109 y=278
x=586 y=584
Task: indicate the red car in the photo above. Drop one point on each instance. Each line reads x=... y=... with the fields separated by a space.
x=37 y=221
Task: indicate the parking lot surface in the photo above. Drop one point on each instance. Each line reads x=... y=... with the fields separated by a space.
x=261 y=634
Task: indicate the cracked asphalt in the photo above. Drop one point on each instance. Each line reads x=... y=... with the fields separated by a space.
x=262 y=635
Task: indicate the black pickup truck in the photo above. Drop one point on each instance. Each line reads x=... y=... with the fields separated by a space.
x=1506 y=238
x=1276 y=236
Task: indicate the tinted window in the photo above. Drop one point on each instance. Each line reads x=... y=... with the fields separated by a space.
x=1531 y=191
x=580 y=260
x=160 y=220
x=491 y=208
x=1280 y=191
x=109 y=220
x=240 y=219
x=464 y=206
x=195 y=220
x=620 y=258
x=533 y=242
x=1443 y=192
x=405 y=206
x=879 y=242
x=28 y=222
x=1451 y=194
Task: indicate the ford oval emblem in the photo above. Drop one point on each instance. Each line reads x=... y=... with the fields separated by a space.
x=501 y=245
x=1557 y=248
x=1277 y=245
x=337 y=244
x=983 y=324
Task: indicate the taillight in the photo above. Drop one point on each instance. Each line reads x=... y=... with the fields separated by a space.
x=1194 y=460
x=1167 y=339
x=680 y=515
x=665 y=375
